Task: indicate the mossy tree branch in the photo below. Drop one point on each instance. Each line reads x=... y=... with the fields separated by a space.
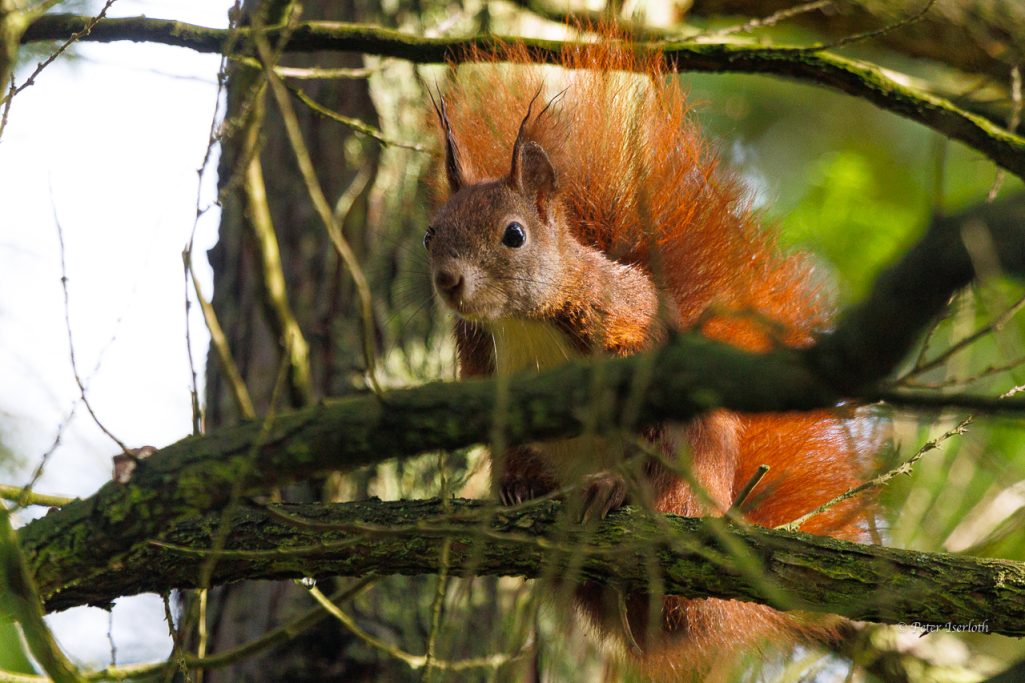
x=812 y=573
x=989 y=34
x=815 y=66
x=196 y=474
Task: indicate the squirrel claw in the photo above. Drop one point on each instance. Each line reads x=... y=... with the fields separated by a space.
x=603 y=493
x=515 y=491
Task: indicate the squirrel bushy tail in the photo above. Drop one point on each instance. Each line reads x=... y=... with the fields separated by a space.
x=637 y=180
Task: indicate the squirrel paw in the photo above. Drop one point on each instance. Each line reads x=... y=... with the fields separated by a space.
x=514 y=490
x=603 y=493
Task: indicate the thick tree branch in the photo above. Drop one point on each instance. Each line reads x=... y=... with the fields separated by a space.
x=406 y=537
x=198 y=473
x=820 y=67
x=989 y=35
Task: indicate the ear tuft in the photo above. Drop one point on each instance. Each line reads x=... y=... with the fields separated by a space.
x=453 y=167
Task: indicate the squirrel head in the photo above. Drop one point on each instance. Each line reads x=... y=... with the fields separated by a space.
x=496 y=247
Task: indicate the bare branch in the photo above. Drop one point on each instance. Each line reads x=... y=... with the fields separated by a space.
x=881 y=480
x=353 y=123
x=23 y=497
x=71 y=342
x=813 y=65
x=221 y=347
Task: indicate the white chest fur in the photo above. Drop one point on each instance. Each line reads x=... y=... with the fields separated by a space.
x=528 y=345
x=524 y=345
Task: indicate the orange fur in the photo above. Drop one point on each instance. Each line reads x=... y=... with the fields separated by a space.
x=637 y=181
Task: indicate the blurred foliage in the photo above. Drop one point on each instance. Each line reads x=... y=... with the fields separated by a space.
x=12 y=654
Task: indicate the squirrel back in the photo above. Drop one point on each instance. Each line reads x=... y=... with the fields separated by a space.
x=661 y=237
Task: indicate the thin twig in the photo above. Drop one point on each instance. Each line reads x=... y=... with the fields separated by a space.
x=311 y=73
x=197 y=410
x=348 y=198
x=37 y=473
x=220 y=343
x=31 y=80
x=770 y=20
x=71 y=340
x=994 y=325
x=110 y=639
x=748 y=488
x=178 y=650
x=355 y=124
x=23 y=497
x=876 y=482
x=7 y=107
x=70 y=416
x=988 y=371
x=437 y=607
x=413 y=661
x=276 y=636
x=875 y=33
x=441 y=586
x=282 y=319
x=1013 y=119
x=212 y=137
x=935 y=326
x=201 y=630
x=323 y=208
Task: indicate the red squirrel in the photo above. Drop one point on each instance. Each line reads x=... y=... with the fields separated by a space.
x=592 y=222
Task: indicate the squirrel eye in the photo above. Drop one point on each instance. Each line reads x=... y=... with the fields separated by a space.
x=427 y=238
x=514 y=235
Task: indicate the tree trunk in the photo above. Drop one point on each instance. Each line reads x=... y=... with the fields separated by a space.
x=317 y=294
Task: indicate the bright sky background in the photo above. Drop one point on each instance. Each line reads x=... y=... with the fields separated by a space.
x=110 y=143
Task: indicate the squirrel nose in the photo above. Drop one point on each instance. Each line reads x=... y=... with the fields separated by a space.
x=449 y=281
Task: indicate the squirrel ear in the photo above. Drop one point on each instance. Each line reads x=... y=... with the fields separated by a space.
x=453 y=168
x=532 y=172
x=533 y=175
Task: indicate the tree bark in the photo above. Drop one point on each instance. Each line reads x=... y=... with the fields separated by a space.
x=697 y=557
